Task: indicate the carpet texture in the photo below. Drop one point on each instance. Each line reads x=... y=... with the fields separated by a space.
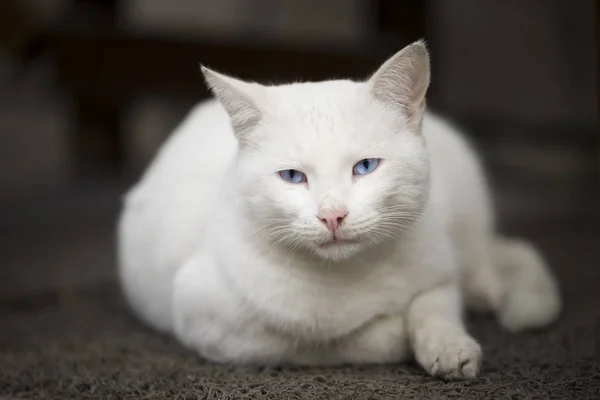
x=83 y=344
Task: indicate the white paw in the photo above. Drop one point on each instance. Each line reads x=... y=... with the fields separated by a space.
x=526 y=309
x=457 y=357
x=532 y=297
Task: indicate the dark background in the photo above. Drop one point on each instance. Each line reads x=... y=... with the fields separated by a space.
x=89 y=89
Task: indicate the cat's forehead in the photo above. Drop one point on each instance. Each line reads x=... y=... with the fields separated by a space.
x=322 y=98
x=311 y=109
x=322 y=112
x=323 y=123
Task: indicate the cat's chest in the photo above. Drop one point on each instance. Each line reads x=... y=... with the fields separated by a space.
x=321 y=307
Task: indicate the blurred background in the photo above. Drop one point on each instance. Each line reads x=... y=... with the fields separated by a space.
x=90 y=88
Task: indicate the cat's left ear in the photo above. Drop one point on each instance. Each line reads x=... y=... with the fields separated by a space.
x=402 y=81
x=240 y=99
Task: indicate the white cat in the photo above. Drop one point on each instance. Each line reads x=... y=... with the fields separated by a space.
x=322 y=224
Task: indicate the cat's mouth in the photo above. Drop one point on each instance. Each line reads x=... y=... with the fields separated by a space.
x=338 y=241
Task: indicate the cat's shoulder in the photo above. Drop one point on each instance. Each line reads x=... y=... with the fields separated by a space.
x=443 y=134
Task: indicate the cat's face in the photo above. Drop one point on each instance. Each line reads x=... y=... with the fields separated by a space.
x=352 y=161
x=330 y=168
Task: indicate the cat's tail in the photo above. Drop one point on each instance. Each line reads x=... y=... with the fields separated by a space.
x=531 y=296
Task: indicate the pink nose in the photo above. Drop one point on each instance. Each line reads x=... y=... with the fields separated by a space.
x=332 y=219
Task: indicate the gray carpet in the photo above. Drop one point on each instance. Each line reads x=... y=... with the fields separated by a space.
x=83 y=344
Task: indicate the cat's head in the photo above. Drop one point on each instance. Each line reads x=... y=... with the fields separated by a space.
x=336 y=167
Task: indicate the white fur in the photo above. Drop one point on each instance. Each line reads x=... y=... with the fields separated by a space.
x=215 y=248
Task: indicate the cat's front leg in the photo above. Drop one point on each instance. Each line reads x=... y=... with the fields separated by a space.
x=438 y=337
x=209 y=318
x=383 y=340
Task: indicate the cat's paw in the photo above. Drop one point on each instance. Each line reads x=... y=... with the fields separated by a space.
x=452 y=358
x=526 y=309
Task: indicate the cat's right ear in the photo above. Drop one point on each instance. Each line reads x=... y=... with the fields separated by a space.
x=240 y=99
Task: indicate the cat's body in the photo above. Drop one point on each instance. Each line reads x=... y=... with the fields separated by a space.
x=217 y=249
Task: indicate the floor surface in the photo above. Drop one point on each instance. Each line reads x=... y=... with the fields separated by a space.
x=65 y=332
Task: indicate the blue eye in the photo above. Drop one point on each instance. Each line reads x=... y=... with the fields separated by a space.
x=365 y=166
x=292 y=176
